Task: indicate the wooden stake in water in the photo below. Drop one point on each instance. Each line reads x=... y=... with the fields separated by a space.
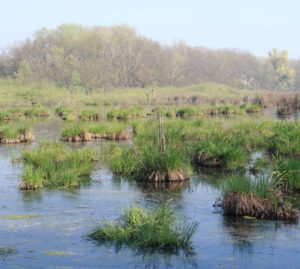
x=161 y=135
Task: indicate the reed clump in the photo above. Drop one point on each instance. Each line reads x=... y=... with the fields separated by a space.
x=12 y=135
x=153 y=229
x=258 y=199
x=287 y=174
x=89 y=115
x=126 y=113
x=156 y=155
x=55 y=165
x=78 y=132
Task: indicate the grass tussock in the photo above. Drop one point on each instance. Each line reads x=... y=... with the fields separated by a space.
x=89 y=115
x=55 y=165
x=287 y=174
x=148 y=160
x=156 y=229
x=77 y=132
x=126 y=113
x=258 y=199
x=11 y=135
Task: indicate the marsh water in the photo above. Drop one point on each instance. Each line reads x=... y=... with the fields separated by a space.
x=48 y=228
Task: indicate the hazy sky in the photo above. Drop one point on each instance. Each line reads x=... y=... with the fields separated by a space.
x=251 y=25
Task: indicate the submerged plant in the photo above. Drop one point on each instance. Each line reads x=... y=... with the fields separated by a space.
x=156 y=229
x=55 y=165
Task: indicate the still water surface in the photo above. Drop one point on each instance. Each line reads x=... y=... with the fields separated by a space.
x=47 y=229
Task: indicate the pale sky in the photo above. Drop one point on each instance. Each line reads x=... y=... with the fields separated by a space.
x=256 y=26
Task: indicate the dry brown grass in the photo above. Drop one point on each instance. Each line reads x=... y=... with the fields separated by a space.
x=247 y=204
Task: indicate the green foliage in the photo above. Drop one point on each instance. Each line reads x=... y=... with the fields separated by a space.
x=261 y=187
x=285 y=139
x=89 y=115
x=55 y=165
x=156 y=229
x=285 y=75
x=103 y=128
x=126 y=113
x=36 y=111
x=287 y=174
x=12 y=132
x=145 y=156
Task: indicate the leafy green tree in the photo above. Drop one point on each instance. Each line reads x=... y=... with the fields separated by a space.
x=24 y=74
x=285 y=75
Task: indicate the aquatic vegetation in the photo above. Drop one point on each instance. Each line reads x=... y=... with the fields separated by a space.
x=7 y=251
x=36 y=112
x=20 y=217
x=285 y=139
x=10 y=134
x=156 y=229
x=4 y=116
x=287 y=174
x=126 y=113
x=57 y=253
x=89 y=131
x=89 y=115
x=245 y=197
x=153 y=156
x=66 y=113
x=55 y=165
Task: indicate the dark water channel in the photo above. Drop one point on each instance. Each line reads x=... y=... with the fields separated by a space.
x=46 y=229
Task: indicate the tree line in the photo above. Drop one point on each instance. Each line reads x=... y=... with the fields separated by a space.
x=107 y=57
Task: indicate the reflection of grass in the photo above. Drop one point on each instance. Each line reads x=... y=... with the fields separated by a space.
x=57 y=253
x=6 y=251
x=17 y=217
x=146 y=229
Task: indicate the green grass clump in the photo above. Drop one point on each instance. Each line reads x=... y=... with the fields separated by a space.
x=89 y=115
x=261 y=187
x=287 y=174
x=36 y=112
x=188 y=112
x=55 y=165
x=13 y=134
x=103 y=128
x=156 y=229
x=145 y=156
x=126 y=113
x=73 y=130
x=285 y=139
x=66 y=113
x=256 y=198
x=9 y=133
x=4 y=115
